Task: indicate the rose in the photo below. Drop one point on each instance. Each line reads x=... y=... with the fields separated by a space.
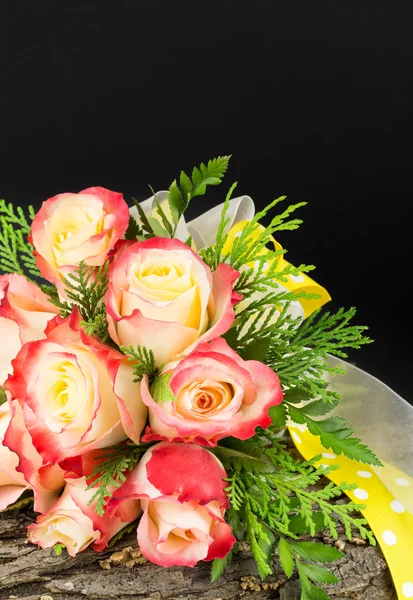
x=24 y=313
x=28 y=472
x=183 y=499
x=12 y=483
x=70 y=228
x=163 y=296
x=217 y=394
x=76 y=524
x=76 y=393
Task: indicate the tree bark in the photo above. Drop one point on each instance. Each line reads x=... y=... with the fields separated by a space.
x=121 y=573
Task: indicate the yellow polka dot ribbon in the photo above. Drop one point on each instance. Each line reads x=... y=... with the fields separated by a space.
x=388 y=518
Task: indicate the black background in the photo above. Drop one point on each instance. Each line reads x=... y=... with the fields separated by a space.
x=312 y=99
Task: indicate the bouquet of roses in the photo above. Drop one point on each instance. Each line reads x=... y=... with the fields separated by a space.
x=147 y=382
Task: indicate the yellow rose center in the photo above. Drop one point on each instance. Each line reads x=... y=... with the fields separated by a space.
x=74 y=222
x=65 y=392
x=160 y=280
x=201 y=400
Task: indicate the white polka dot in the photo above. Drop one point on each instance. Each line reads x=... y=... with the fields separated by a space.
x=329 y=455
x=361 y=494
x=403 y=482
x=297 y=278
x=407 y=589
x=238 y=234
x=389 y=537
x=397 y=506
x=365 y=474
x=296 y=437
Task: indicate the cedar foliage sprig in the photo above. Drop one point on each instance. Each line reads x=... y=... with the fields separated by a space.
x=270 y=498
x=16 y=252
x=142 y=361
x=85 y=288
x=251 y=244
x=111 y=472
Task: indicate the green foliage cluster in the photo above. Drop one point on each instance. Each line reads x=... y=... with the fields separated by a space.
x=270 y=497
x=142 y=361
x=16 y=252
x=265 y=330
x=179 y=196
x=111 y=470
x=86 y=288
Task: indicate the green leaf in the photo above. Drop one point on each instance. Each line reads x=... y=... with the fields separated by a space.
x=86 y=288
x=236 y=524
x=3 y=397
x=176 y=201
x=110 y=472
x=318 y=574
x=305 y=582
x=134 y=230
x=146 y=226
x=241 y=455
x=142 y=361
x=157 y=228
x=319 y=408
x=16 y=252
x=278 y=415
x=180 y=196
x=314 y=593
x=210 y=174
x=167 y=225
x=295 y=396
x=185 y=185
x=189 y=241
x=286 y=557
x=58 y=549
x=334 y=434
x=316 y=551
x=256 y=350
x=218 y=567
x=298 y=523
x=161 y=390
x=267 y=541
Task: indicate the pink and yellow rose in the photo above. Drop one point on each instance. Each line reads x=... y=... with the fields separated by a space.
x=181 y=488
x=70 y=228
x=24 y=470
x=24 y=313
x=76 y=393
x=164 y=297
x=73 y=522
x=217 y=394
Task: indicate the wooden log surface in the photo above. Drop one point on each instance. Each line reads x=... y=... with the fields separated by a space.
x=121 y=573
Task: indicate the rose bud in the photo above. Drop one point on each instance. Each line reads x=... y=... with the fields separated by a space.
x=217 y=394
x=76 y=393
x=76 y=524
x=70 y=228
x=163 y=296
x=182 y=493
